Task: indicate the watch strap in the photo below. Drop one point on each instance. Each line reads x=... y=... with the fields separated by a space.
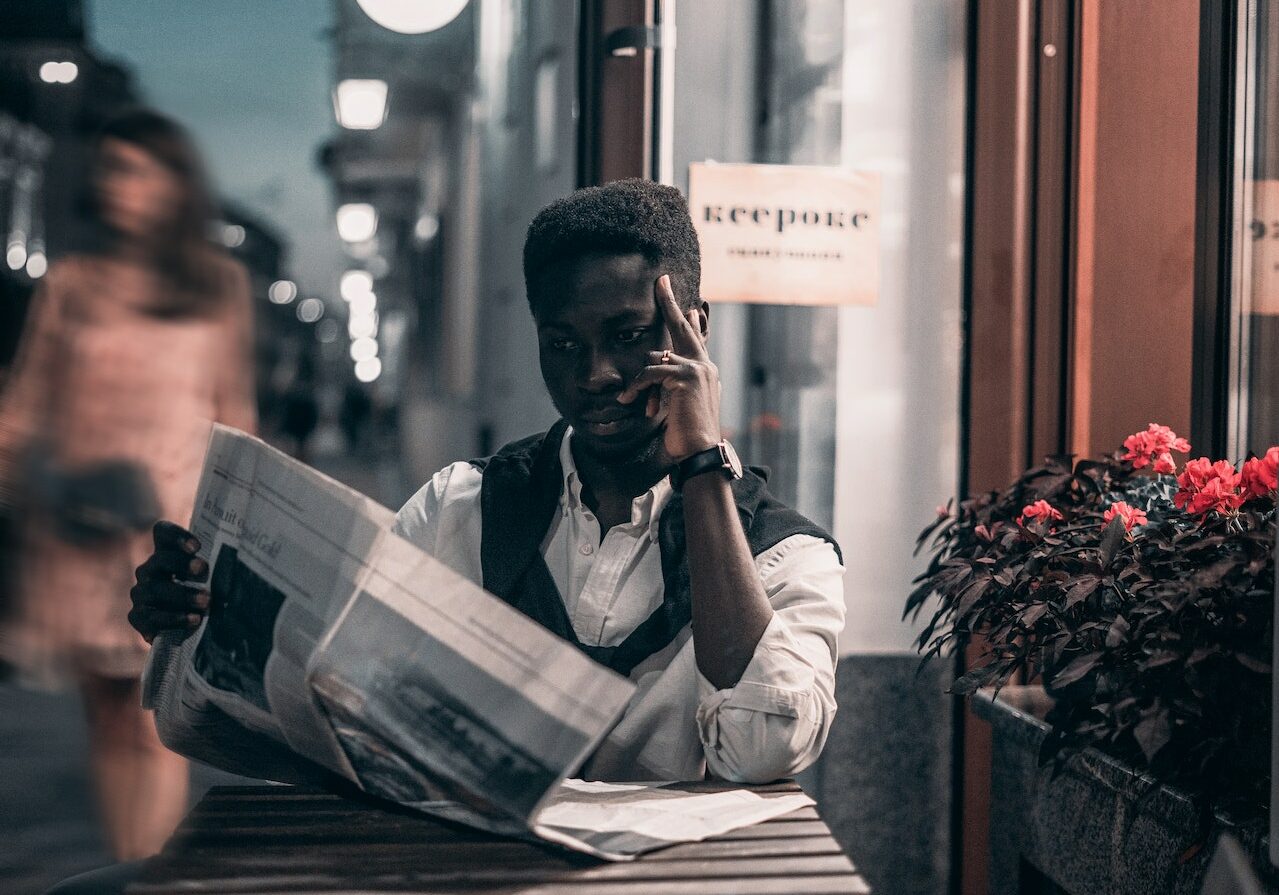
x=703 y=461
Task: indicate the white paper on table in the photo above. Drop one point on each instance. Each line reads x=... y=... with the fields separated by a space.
x=620 y=821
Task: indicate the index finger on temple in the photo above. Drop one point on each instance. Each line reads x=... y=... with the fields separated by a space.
x=682 y=334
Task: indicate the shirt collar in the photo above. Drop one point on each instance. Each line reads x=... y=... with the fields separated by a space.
x=646 y=510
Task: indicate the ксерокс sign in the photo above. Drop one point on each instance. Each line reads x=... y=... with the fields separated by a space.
x=785 y=234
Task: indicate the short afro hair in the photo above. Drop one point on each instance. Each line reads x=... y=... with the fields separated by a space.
x=621 y=217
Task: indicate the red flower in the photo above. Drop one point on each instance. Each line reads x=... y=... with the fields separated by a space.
x=1131 y=515
x=1156 y=445
x=1206 y=486
x=1039 y=511
x=1260 y=475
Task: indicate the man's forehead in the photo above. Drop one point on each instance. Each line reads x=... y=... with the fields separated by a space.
x=610 y=272
x=603 y=286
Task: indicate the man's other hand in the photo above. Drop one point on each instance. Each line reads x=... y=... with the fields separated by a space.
x=163 y=599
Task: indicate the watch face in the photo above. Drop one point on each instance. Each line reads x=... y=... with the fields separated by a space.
x=731 y=460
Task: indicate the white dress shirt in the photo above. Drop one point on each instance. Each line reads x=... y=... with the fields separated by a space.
x=772 y=723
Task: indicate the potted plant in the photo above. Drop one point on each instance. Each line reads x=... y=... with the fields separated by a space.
x=1140 y=590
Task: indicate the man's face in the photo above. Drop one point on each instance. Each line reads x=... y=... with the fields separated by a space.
x=596 y=324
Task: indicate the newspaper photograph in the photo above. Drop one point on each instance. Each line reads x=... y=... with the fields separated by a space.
x=333 y=646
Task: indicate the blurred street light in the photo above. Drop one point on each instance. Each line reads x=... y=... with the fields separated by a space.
x=282 y=292
x=362 y=325
x=232 y=235
x=355 y=283
x=16 y=255
x=368 y=370
x=360 y=103
x=327 y=331
x=59 y=72
x=310 y=310
x=363 y=305
x=412 y=16
x=357 y=221
x=426 y=227
x=37 y=264
x=363 y=348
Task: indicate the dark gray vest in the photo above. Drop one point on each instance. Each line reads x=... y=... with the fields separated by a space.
x=519 y=496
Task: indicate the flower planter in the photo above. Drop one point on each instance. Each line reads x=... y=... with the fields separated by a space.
x=1086 y=830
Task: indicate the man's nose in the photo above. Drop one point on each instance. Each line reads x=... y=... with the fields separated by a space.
x=598 y=372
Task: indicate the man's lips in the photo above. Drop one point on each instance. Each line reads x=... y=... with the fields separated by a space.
x=612 y=414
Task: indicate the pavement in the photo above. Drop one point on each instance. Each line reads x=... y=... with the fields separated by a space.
x=48 y=826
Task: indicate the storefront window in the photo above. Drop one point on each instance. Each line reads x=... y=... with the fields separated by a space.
x=855 y=409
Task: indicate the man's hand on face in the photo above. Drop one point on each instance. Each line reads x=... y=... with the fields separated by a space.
x=683 y=381
x=161 y=602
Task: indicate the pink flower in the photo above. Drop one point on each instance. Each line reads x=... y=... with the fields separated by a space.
x=1156 y=445
x=1260 y=475
x=1039 y=511
x=1131 y=515
x=1206 y=487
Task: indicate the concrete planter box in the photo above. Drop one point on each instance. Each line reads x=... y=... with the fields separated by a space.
x=1071 y=831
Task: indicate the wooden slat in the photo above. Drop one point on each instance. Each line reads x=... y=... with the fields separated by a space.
x=834 y=884
x=283 y=839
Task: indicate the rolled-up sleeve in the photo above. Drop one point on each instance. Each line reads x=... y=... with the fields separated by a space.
x=774 y=722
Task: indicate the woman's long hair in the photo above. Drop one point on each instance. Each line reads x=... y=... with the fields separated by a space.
x=186 y=259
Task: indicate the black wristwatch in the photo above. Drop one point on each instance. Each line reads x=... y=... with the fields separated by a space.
x=720 y=456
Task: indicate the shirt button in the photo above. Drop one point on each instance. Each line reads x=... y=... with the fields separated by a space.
x=586 y=550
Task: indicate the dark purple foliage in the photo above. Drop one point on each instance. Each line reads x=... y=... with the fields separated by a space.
x=1156 y=644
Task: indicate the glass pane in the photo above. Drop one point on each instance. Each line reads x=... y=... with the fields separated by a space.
x=1257 y=366
x=856 y=409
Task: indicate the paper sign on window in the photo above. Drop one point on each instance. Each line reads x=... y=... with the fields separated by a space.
x=1265 y=247
x=789 y=235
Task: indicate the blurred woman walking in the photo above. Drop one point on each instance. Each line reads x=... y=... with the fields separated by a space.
x=128 y=352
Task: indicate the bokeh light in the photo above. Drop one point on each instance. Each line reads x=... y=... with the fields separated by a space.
x=327 y=331
x=363 y=349
x=357 y=221
x=412 y=16
x=360 y=103
x=355 y=283
x=282 y=292
x=310 y=310
x=368 y=369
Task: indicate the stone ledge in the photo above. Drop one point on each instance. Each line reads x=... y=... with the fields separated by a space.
x=1088 y=829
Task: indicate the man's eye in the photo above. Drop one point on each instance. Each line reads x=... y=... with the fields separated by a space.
x=631 y=336
x=563 y=344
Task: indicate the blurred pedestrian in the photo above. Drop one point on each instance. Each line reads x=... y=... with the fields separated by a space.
x=300 y=408
x=129 y=350
x=354 y=415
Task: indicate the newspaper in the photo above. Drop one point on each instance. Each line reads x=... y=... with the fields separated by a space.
x=333 y=643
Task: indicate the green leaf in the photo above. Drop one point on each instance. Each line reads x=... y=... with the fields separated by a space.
x=1153 y=733
x=1252 y=664
x=968 y=684
x=1076 y=669
x=1111 y=539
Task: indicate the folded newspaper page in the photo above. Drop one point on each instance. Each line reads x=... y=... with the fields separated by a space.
x=331 y=642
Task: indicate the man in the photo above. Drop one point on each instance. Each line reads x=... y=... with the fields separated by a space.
x=629 y=528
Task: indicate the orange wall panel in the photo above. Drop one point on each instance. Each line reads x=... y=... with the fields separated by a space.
x=1135 y=232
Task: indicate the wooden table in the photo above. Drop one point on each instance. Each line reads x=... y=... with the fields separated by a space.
x=293 y=839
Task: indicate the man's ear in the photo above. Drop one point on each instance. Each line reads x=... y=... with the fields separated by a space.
x=704 y=321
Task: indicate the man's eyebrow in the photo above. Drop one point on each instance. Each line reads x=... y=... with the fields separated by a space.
x=630 y=316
